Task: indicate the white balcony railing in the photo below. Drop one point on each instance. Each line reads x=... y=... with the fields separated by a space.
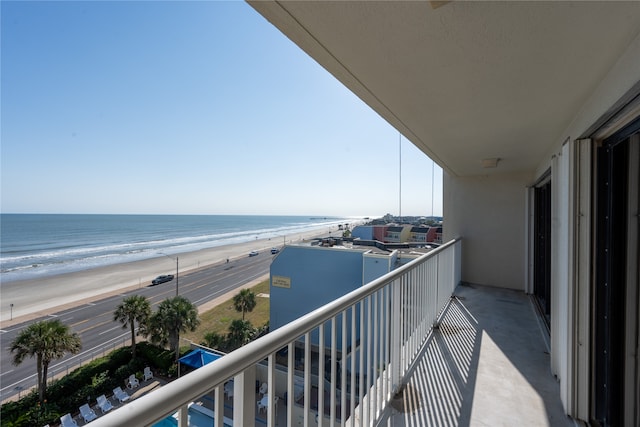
x=348 y=357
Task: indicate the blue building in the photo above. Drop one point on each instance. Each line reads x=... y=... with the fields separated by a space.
x=364 y=232
x=304 y=278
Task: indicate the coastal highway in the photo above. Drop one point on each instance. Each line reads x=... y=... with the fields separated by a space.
x=99 y=333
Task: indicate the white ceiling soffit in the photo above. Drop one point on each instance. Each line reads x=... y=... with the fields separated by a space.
x=466 y=81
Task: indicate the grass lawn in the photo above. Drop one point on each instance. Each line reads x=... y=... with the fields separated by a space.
x=219 y=318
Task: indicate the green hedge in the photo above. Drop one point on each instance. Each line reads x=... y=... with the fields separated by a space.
x=85 y=384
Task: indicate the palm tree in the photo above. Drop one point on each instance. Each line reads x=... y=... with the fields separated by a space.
x=174 y=315
x=134 y=308
x=244 y=301
x=47 y=340
x=240 y=333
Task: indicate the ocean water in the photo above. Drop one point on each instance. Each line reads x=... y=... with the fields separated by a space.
x=40 y=245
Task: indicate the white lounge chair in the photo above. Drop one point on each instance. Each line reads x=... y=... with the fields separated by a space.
x=104 y=404
x=87 y=413
x=132 y=382
x=68 y=421
x=121 y=395
x=148 y=374
x=262 y=407
x=263 y=388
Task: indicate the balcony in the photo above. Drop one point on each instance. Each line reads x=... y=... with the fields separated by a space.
x=485 y=363
x=374 y=355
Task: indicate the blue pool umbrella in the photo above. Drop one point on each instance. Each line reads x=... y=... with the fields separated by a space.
x=198 y=358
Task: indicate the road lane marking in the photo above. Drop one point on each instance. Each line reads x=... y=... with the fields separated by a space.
x=226 y=289
x=95 y=326
x=73 y=325
x=109 y=330
x=82 y=307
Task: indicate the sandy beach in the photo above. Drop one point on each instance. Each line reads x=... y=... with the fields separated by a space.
x=39 y=297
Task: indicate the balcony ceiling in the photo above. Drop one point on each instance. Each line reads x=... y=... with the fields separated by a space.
x=466 y=81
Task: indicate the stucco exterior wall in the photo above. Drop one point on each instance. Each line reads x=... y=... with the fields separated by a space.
x=405 y=234
x=374 y=266
x=317 y=276
x=364 y=232
x=488 y=212
x=379 y=232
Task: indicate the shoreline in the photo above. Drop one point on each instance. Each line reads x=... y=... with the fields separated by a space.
x=32 y=298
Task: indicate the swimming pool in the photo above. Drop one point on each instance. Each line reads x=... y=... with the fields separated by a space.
x=198 y=417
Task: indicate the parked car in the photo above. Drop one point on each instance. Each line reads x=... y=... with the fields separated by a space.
x=253 y=253
x=274 y=251
x=162 y=279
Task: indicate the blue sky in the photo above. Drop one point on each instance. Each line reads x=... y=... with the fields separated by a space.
x=187 y=108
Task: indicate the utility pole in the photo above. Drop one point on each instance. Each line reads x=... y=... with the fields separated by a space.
x=176 y=276
x=400 y=173
x=162 y=253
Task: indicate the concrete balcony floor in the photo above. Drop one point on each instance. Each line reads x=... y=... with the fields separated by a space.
x=486 y=365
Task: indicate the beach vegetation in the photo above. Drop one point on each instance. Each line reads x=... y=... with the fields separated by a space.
x=28 y=412
x=173 y=317
x=84 y=384
x=244 y=301
x=240 y=333
x=214 y=340
x=157 y=357
x=134 y=309
x=46 y=340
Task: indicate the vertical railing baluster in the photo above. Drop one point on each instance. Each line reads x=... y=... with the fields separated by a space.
x=437 y=298
x=425 y=298
x=334 y=343
x=218 y=408
x=376 y=370
x=307 y=377
x=361 y=390
x=290 y=386
x=417 y=309
x=342 y=371
x=386 y=345
x=272 y=407
x=406 y=322
x=321 y=349
x=352 y=364
x=395 y=332
x=369 y=369
x=420 y=289
x=183 y=416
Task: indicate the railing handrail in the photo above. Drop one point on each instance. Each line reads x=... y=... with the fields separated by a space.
x=277 y=339
x=183 y=390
